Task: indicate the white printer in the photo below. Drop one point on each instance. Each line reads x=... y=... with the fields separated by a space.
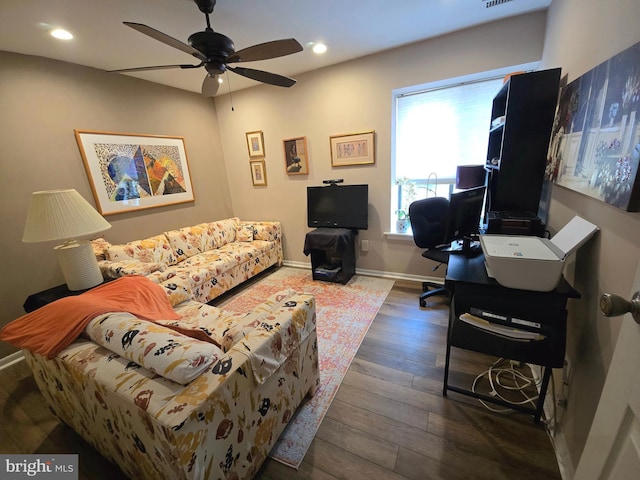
x=533 y=263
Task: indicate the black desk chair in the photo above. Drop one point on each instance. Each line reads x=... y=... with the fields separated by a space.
x=428 y=218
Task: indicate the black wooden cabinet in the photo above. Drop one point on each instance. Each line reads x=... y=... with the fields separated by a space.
x=333 y=257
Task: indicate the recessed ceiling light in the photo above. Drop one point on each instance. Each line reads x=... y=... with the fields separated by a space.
x=319 y=48
x=220 y=80
x=61 y=34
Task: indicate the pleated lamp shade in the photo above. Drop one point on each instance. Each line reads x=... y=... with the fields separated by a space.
x=61 y=215
x=66 y=215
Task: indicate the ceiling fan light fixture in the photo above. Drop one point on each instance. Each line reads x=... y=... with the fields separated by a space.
x=319 y=48
x=61 y=34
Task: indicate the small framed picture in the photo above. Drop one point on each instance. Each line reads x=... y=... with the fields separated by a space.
x=258 y=173
x=255 y=144
x=296 y=158
x=352 y=149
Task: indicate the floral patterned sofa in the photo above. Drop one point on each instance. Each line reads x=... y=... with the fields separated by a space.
x=166 y=406
x=199 y=262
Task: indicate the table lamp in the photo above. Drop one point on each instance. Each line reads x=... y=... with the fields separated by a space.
x=66 y=215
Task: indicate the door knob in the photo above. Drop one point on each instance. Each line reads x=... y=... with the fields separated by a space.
x=613 y=305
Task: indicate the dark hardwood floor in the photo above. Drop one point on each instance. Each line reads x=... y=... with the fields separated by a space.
x=389 y=419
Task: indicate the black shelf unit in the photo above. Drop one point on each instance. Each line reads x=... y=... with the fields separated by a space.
x=333 y=256
x=521 y=121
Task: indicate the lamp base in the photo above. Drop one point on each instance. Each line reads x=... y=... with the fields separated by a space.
x=79 y=265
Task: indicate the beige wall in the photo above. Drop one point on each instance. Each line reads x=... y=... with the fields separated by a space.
x=43 y=101
x=580 y=35
x=347 y=98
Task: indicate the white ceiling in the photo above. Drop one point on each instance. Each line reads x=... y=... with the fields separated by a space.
x=350 y=28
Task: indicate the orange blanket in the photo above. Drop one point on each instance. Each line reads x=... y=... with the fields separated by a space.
x=52 y=328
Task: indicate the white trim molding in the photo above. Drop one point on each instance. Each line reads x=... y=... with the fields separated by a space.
x=11 y=359
x=374 y=273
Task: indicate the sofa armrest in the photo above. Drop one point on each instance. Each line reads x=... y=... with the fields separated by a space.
x=278 y=329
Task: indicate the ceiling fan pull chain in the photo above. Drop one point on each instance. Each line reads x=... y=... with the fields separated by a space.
x=230 y=97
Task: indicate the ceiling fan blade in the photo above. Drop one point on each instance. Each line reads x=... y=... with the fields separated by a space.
x=156 y=67
x=166 y=39
x=264 y=77
x=265 y=51
x=210 y=86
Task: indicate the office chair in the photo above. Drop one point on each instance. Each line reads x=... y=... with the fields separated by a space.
x=428 y=218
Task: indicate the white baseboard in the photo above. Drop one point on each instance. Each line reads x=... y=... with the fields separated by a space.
x=555 y=432
x=567 y=470
x=11 y=359
x=373 y=273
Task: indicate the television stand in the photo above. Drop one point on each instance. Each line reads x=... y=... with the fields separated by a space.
x=332 y=253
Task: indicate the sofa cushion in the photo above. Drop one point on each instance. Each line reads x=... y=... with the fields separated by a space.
x=189 y=241
x=176 y=282
x=114 y=270
x=215 y=261
x=165 y=352
x=244 y=232
x=222 y=232
x=269 y=231
x=151 y=250
x=241 y=251
x=263 y=245
x=224 y=328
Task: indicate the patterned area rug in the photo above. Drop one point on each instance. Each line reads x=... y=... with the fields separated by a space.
x=344 y=314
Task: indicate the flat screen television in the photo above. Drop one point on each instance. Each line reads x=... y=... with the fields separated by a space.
x=338 y=206
x=463 y=220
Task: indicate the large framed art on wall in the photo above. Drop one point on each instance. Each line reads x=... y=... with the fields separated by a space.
x=130 y=172
x=595 y=142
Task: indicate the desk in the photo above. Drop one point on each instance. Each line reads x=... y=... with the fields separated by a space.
x=470 y=287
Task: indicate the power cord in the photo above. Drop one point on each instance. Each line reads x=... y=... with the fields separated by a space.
x=518 y=381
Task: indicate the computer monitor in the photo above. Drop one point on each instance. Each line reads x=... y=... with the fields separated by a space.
x=463 y=220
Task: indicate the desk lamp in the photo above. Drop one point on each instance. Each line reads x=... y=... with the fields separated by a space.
x=66 y=215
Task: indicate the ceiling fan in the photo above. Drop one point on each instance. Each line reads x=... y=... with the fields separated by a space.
x=216 y=51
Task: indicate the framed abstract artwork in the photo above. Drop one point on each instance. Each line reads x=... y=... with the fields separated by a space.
x=296 y=157
x=595 y=141
x=130 y=172
x=258 y=173
x=255 y=144
x=352 y=149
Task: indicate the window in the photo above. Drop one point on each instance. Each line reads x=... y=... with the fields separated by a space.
x=437 y=127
